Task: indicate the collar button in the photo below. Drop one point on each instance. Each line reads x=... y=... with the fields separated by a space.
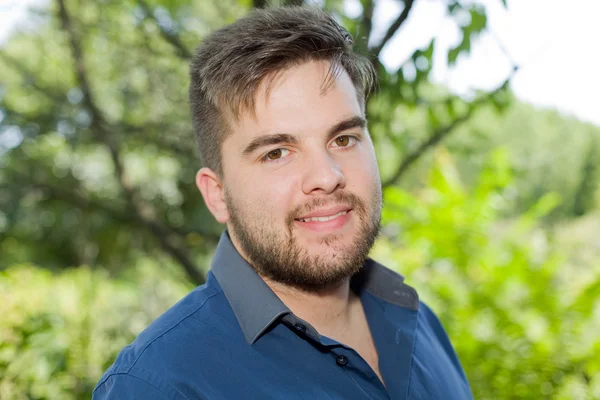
x=341 y=361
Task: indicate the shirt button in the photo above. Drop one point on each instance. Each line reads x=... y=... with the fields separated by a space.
x=341 y=360
x=300 y=328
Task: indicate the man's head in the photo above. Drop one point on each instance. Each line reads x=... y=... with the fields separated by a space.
x=229 y=66
x=277 y=103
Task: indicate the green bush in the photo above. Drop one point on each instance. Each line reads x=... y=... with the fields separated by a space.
x=523 y=325
x=58 y=333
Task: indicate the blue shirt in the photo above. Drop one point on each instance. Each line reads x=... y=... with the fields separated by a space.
x=233 y=338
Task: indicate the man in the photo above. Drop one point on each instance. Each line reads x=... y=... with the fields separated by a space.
x=292 y=307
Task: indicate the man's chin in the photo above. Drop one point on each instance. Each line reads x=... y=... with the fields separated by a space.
x=326 y=245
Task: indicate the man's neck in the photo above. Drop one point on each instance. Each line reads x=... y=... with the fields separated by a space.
x=335 y=312
x=330 y=310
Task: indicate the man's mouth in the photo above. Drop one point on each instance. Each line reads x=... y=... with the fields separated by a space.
x=323 y=218
x=326 y=219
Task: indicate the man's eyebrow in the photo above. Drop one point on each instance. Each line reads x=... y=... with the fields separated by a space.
x=269 y=140
x=278 y=138
x=349 y=123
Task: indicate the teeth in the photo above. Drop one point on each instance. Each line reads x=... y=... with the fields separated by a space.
x=324 y=219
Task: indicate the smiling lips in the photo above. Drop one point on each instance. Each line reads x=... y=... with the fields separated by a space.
x=323 y=219
x=326 y=219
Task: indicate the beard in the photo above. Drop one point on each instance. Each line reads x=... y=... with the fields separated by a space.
x=278 y=256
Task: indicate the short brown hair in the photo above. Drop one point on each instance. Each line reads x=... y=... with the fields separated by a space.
x=232 y=62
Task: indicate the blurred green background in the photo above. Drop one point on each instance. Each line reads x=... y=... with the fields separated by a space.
x=492 y=205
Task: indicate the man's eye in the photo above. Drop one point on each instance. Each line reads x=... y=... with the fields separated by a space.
x=345 y=141
x=276 y=154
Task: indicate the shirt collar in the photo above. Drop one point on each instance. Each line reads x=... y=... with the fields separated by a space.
x=256 y=306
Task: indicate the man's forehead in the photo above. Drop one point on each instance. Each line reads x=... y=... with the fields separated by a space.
x=312 y=75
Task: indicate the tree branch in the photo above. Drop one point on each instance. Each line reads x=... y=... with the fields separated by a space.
x=171 y=145
x=73 y=197
x=376 y=50
x=77 y=198
x=99 y=125
x=30 y=79
x=443 y=132
x=58 y=98
x=169 y=36
x=169 y=241
x=20 y=119
x=367 y=20
x=259 y=3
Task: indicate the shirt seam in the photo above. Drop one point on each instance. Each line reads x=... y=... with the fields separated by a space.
x=410 y=369
x=128 y=370
x=171 y=328
x=177 y=390
x=115 y=374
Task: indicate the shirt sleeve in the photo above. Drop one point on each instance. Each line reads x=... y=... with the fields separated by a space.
x=126 y=386
x=444 y=340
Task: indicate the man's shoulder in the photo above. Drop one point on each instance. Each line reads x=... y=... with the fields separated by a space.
x=434 y=339
x=189 y=329
x=430 y=321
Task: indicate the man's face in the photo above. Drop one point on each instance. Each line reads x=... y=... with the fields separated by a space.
x=301 y=181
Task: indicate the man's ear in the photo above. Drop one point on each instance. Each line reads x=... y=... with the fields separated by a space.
x=212 y=190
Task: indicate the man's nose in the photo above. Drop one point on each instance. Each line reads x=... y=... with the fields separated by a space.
x=323 y=174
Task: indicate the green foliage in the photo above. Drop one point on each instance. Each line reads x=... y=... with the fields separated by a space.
x=585 y=195
x=523 y=328
x=466 y=225
x=59 y=333
x=472 y=21
x=549 y=153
